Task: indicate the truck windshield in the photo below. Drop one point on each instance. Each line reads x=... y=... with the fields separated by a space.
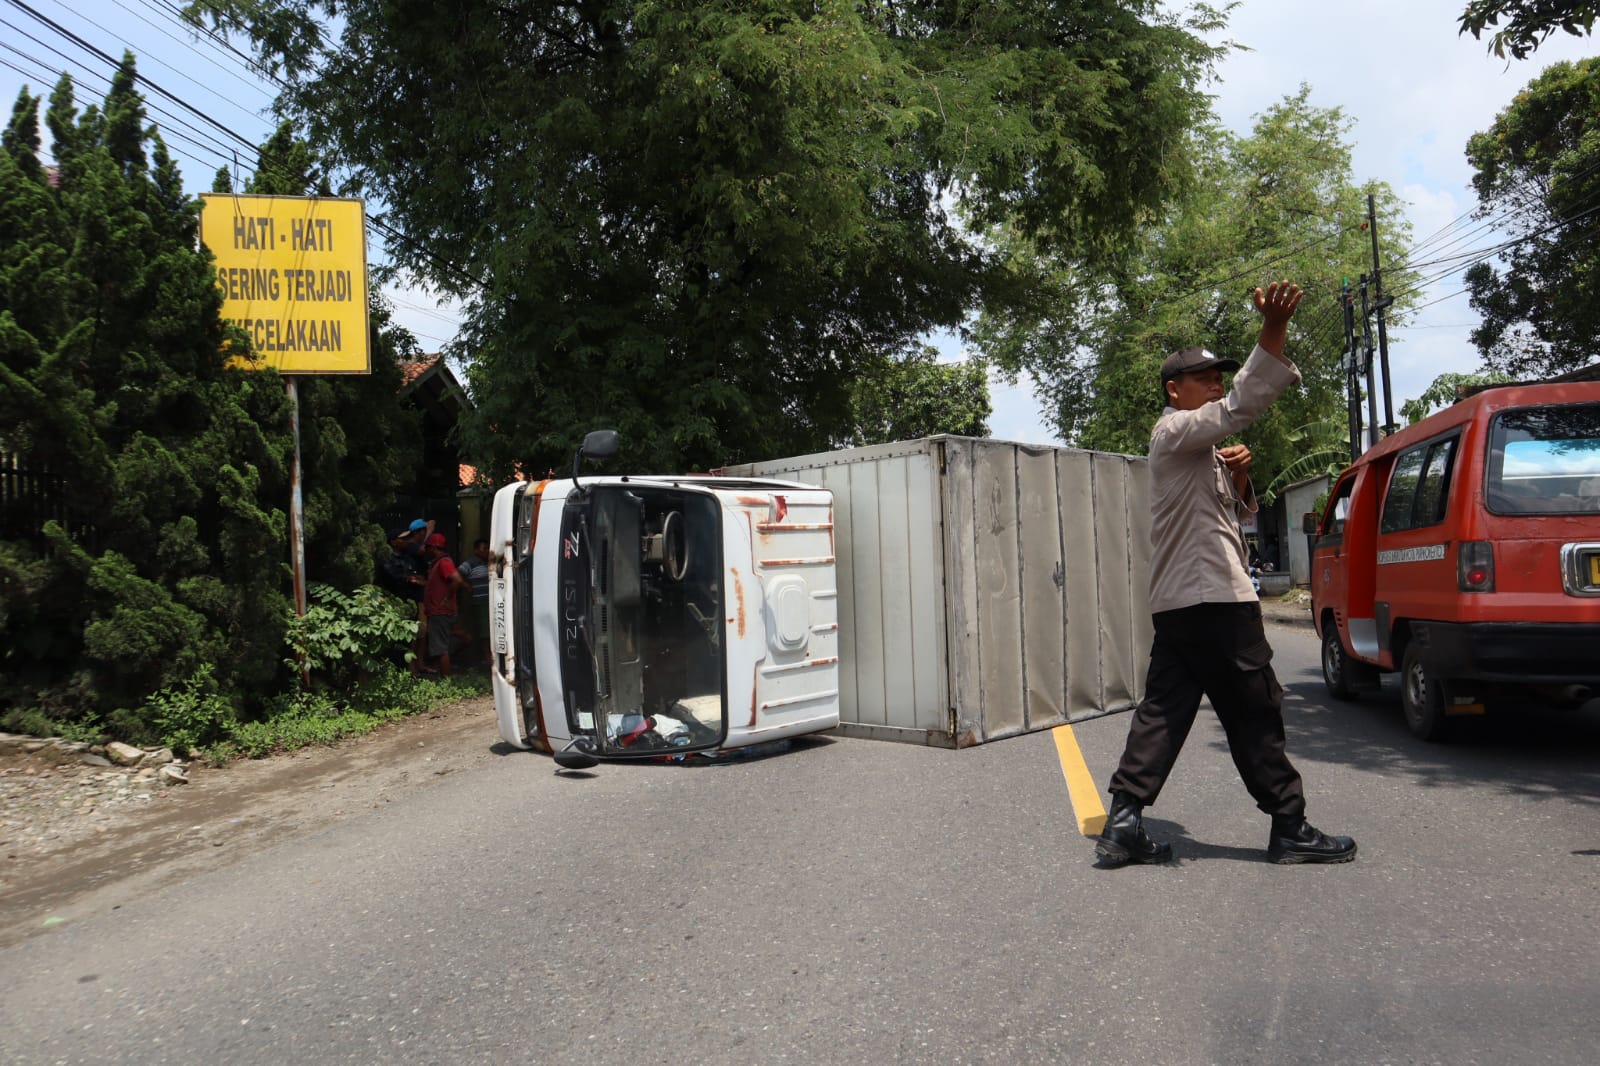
x=652 y=639
x=1545 y=460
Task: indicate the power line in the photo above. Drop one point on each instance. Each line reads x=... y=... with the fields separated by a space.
x=1250 y=269
x=1485 y=254
x=1526 y=199
x=382 y=227
x=199 y=85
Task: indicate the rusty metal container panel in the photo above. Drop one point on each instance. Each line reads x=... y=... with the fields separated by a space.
x=929 y=686
x=961 y=592
x=1121 y=673
x=1074 y=472
x=985 y=588
x=865 y=592
x=894 y=580
x=1043 y=583
x=999 y=608
x=837 y=481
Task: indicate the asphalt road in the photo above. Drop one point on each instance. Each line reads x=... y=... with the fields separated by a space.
x=860 y=901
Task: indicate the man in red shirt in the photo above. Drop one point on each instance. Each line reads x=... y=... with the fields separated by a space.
x=439 y=601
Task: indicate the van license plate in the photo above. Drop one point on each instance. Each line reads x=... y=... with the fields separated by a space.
x=1594 y=569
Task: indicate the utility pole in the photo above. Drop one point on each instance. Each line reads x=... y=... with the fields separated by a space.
x=1352 y=383
x=1366 y=365
x=1379 y=302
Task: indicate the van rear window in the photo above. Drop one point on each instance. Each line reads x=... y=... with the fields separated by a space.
x=1545 y=460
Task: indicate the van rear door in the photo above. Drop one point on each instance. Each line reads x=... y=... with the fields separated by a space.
x=1542 y=512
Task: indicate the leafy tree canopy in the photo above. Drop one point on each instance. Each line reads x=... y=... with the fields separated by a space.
x=1280 y=203
x=1527 y=22
x=152 y=552
x=155 y=551
x=918 y=396
x=1538 y=175
x=1444 y=391
x=697 y=220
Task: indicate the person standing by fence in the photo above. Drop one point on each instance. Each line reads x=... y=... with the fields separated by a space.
x=475 y=568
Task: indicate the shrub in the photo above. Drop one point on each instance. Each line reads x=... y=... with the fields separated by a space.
x=33 y=721
x=345 y=638
x=190 y=714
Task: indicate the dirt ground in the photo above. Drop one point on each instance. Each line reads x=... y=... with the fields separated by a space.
x=224 y=814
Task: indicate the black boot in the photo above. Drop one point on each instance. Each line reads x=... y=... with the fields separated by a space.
x=1297 y=840
x=1124 y=840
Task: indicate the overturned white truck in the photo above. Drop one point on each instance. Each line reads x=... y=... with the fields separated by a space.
x=946 y=591
x=661 y=616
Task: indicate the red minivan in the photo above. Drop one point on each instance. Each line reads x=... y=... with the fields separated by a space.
x=1464 y=552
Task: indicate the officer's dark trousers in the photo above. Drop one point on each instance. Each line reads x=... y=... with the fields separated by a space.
x=1218 y=650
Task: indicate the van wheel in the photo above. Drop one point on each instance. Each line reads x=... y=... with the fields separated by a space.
x=1422 y=697
x=1336 y=664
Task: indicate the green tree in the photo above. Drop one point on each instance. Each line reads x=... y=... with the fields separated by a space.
x=1528 y=23
x=918 y=396
x=1280 y=203
x=159 y=556
x=1538 y=173
x=1444 y=391
x=697 y=220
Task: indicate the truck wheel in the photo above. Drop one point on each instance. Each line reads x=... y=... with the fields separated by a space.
x=1422 y=697
x=1336 y=664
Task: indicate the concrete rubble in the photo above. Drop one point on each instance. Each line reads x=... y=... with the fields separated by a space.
x=56 y=792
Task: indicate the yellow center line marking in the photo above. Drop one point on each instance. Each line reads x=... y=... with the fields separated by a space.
x=1081 y=788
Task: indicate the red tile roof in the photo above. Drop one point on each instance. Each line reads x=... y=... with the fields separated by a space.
x=412 y=369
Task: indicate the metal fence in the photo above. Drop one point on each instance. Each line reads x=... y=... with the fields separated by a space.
x=31 y=494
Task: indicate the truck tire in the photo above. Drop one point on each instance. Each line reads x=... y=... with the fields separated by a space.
x=1336 y=664
x=1422 y=697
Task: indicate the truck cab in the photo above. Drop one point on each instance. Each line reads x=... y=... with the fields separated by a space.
x=1464 y=553
x=662 y=616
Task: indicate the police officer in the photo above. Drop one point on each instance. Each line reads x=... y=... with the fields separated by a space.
x=1209 y=639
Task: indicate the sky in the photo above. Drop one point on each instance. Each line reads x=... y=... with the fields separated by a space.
x=1414 y=88
x=1417 y=91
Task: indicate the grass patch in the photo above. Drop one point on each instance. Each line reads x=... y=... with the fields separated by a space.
x=301 y=719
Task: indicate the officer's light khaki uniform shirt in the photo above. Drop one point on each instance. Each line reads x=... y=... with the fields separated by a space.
x=1198 y=552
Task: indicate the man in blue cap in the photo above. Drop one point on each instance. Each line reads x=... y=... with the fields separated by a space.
x=405 y=573
x=401 y=572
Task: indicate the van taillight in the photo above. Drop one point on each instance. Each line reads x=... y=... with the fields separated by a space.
x=1475 y=566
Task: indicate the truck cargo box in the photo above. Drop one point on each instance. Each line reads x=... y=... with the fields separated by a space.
x=986 y=588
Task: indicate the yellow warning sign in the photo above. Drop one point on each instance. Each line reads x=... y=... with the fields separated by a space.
x=293 y=275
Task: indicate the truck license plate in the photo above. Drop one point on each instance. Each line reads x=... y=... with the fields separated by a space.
x=1594 y=569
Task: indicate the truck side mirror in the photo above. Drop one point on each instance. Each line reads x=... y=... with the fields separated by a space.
x=1309 y=523
x=578 y=755
x=597 y=444
x=600 y=444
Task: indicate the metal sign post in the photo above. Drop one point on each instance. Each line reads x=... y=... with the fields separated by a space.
x=297 y=538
